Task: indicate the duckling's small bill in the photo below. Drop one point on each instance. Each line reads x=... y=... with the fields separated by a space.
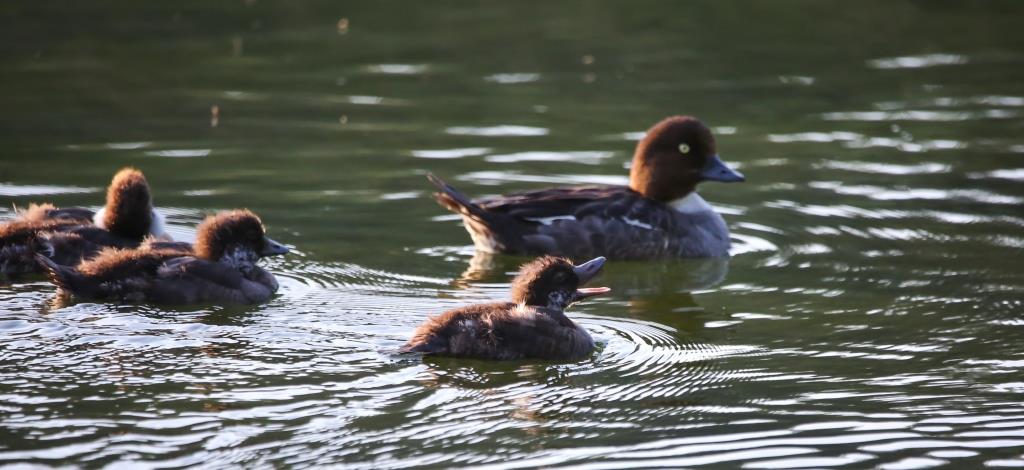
x=272 y=248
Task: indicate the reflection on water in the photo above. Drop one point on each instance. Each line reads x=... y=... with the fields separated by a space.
x=869 y=316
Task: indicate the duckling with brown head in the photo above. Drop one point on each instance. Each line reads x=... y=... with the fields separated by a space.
x=220 y=268
x=69 y=235
x=532 y=326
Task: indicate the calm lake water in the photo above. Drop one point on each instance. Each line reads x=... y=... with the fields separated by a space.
x=871 y=314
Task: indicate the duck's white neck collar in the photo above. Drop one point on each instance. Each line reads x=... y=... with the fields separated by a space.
x=156 y=226
x=690 y=204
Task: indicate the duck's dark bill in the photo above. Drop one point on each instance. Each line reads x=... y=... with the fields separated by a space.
x=588 y=270
x=271 y=248
x=716 y=170
x=585 y=292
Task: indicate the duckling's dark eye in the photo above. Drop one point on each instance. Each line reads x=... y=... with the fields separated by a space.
x=560 y=277
x=684 y=148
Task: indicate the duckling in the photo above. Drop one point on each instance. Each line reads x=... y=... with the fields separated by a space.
x=21 y=240
x=220 y=267
x=69 y=235
x=532 y=326
x=659 y=215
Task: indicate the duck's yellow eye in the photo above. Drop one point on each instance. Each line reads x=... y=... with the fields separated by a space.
x=684 y=149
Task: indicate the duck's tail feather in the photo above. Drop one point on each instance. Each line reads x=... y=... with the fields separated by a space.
x=490 y=231
x=455 y=201
x=64 y=277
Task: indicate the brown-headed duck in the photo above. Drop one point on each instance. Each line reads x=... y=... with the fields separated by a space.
x=659 y=215
x=532 y=326
x=69 y=235
x=220 y=267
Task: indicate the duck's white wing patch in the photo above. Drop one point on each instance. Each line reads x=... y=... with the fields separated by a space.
x=549 y=220
x=637 y=223
x=97 y=219
x=157 y=227
x=690 y=204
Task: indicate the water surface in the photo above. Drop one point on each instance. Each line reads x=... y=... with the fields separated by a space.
x=870 y=315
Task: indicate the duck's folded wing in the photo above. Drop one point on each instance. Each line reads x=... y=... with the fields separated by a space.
x=49 y=213
x=191 y=280
x=603 y=208
x=72 y=214
x=541 y=337
x=555 y=202
x=100 y=237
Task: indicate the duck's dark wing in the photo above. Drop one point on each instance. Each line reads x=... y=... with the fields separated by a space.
x=48 y=213
x=461 y=332
x=68 y=248
x=72 y=214
x=584 y=222
x=185 y=280
x=101 y=237
x=553 y=202
x=22 y=239
x=607 y=202
x=501 y=331
x=184 y=248
x=72 y=244
x=112 y=274
x=539 y=334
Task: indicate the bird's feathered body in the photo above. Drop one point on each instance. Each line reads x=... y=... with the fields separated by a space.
x=69 y=235
x=503 y=331
x=220 y=268
x=532 y=326
x=659 y=215
x=589 y=221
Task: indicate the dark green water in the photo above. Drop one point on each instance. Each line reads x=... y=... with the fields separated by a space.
x=871 y=314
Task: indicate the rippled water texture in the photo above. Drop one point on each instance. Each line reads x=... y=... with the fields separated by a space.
x=870 y=315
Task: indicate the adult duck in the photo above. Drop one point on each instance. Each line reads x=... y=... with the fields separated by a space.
x=659 y=215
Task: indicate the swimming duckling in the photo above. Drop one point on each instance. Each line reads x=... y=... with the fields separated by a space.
x=69 y=235
x=21 y=240
x=220 y=268
x=532 y=326
x=659 y=215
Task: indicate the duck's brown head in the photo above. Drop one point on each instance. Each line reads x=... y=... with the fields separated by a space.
x=235 y=237
x=129 y=208
x=674 y=156
x=555 y=282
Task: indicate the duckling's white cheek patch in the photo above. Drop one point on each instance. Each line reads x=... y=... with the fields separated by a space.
x=239 y=258
x=558 y=300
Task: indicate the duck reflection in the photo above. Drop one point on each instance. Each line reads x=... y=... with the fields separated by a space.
x=629 y=277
